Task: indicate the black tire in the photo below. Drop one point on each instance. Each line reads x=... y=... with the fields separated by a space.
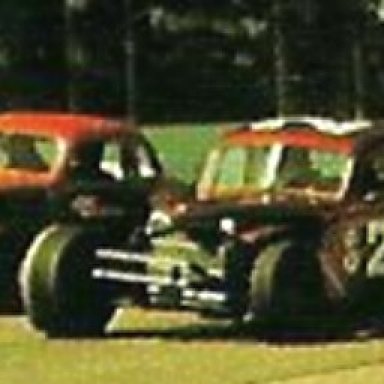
x=286 y=286
x=57 y=290
x=364 y=303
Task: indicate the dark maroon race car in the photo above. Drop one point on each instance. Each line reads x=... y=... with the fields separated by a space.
x=288 y=222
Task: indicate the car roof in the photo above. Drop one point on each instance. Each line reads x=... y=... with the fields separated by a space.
x=72 y=127
x=321 y=124
x=349 y=137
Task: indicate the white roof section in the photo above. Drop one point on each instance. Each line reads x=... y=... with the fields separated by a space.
x=327 y=125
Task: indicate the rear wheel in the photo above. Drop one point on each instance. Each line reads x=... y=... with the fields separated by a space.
x=58 y=292
x=286 y=286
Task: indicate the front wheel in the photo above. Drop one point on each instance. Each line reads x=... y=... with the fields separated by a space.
x=58 y=292
x=286 y=285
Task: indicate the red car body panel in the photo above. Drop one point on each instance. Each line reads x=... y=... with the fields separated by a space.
x=12 y=179
x=297 y=137
x=68 y=126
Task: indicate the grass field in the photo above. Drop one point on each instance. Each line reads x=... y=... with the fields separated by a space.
x=182 y=149
x=162 y=348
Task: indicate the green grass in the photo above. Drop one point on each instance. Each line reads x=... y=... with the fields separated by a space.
x=148 y=347
x=182 y=149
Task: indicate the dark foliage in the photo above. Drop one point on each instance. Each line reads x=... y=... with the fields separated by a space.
x=193 y=60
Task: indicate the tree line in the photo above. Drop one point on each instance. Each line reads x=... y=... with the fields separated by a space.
x=194 y=60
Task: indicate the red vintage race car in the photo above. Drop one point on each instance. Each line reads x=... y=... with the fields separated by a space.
x=67 y=167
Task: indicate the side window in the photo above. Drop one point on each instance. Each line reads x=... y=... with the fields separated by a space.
x=111 y=160
x=27 y=152
x=139 y=159
x=232 y=168
x=146 y=167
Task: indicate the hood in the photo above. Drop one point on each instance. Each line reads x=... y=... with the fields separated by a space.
x=265 y=211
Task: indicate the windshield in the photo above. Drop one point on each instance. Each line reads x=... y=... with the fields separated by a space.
x=276 y=167
x=27 y=152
